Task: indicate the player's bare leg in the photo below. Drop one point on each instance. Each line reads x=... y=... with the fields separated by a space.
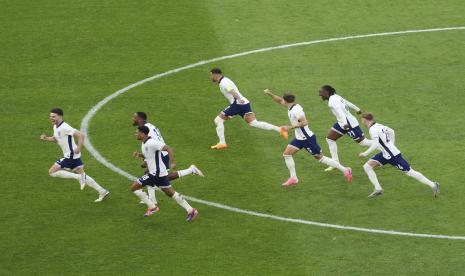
x=331 y=139
x=219 y=122
x=335 y=164
x=252 y=121
x=191 y=212
x=287 y=154
x=152 y=208
x=368 y=167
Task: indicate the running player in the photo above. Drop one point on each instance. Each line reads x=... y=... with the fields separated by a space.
x=383 y=137
x=140 y=119
x=346 y=122
x=239 y=105
x=304 y=138
x=157 y=174
x=70 y=166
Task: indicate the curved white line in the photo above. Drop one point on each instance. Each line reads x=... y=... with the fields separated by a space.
x=101 y=159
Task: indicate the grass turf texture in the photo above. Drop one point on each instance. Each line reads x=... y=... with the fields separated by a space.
x=74 y=54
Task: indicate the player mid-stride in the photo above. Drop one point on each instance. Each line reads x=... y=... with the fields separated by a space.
x=70 y=166
x=383 y=137
x=304 y=138
x=239 y=105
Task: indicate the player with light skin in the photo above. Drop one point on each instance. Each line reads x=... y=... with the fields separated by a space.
x=239 y=105
x=304 y=139
x=383 y=137
x=157 y=174
x=346 y=123
x=63 y=135
x=140 y=119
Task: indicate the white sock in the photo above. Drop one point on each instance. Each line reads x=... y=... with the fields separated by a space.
x=182 y=202
x=143 y=196
x=185 y=172
x=151 y=192
x=263 y=125
x=330 y=162
x=366 y=142
x=372 y=176
x=220 y=129
x=93 y=184
x=66 y=174
x=290 y=165
x=333 y=149
x=420 y=177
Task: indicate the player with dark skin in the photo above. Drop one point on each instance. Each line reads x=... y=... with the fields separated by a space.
x=333 y=135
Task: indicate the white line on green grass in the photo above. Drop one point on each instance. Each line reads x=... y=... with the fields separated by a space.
x=105 y=162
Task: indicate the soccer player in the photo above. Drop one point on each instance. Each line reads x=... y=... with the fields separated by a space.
x=346 y=122
x=239 y=105
x=157 y=174
x=140 y=119
x=384 y=137
x=304 y=138
x=63 y=135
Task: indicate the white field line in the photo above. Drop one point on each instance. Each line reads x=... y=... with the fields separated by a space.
x=86 y=120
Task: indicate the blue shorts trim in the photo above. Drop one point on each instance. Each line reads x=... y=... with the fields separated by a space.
x=310 y=144
x=153 y=180
x=67 y=163
x=237 y=109
x=397 y=161
x=354 y=132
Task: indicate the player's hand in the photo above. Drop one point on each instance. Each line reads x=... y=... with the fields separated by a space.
x=268 y=92
x=361 y=155
x=43 y=137
x=172 y=165
x=136 y=154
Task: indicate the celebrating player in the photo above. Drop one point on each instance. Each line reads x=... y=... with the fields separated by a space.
x=346 y=122
x=304 y=138
x=140 y=119
x=157 y=174
x=384 y=137
x=239 y=105
x=63 y=135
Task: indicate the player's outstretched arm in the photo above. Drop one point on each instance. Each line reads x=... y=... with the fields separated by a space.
x=374 y=146
x=275 y=98
x=44 y=137
x=353 y=107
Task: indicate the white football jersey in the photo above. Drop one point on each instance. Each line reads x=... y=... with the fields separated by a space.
x=340 y=108
x=226 y=86
x=154 y=132
x=295 y=113
x=64 y=135
x=151 y=149
x=386 y=138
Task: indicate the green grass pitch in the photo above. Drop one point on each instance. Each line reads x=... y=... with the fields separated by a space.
x=73 y=54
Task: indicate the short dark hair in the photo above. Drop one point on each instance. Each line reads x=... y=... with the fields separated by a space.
x=289 y=98
x=368 y=116
x=141 y=115
x=144 y=130
x=329 y=89
x=57 y=111
x=216 y=70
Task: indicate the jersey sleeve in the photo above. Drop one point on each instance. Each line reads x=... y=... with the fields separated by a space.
x=352 y=106
x=68 y=130
x=157 y=145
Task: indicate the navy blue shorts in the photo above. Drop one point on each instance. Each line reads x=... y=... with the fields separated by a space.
x=67 y=163
x=237 y=109
x=153 y=180
x=354 y=132
x=397 y=161
x=309 y=144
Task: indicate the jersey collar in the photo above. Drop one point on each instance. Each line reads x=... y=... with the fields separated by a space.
x=60 y=124
x=148 y=138
x=292 y=107
x=374 y=123
x=219 y=81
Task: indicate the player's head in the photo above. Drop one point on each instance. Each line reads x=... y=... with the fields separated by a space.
x=368 y=119
x=142 y=133
x=139 y=118
x=56 y=115
x=215 y=74
x=326 y=91
x=289 y=98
